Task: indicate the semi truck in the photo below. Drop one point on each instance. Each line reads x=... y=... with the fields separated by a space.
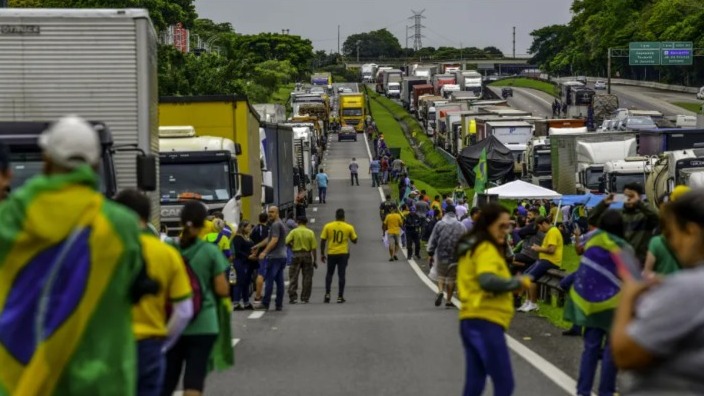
x=203 y=168
x=426 y=71
x=538 y=158
x=407 y=86
x=655 y=142
x=277 y=142
x=619 y=173
x=441 y=79
x=221 y=116
x=270 y=112
x=98 y=64
x=369 y=72
x=419 y=91
x=379 y=78
x=323 y=79
x=673 y=168
x=392 y=76
x=515 y=135
x=352 y=110
x=471 y=81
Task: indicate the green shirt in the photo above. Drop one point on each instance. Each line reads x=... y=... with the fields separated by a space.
x=665 y=262
x=207 y=262
x=302 y=238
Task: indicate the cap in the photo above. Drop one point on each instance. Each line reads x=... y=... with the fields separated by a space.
x=71 y=142
x=450 y=209
x=679 y=191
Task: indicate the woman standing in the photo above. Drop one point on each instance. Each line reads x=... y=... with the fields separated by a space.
x=245 y=265
x=485 y=289
x=658 y=331
x=194 y=347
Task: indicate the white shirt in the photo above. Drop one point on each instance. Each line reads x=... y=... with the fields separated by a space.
x=461 y=210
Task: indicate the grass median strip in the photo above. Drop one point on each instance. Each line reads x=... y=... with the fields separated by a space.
x=691 y=106
x=522 y=82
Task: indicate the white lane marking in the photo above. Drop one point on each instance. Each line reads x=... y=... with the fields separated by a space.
x=256 y=315
x=548 y=369
x=369 y=153
x=312 y=221
x=235 y=341
x=315 y=209
x=527 y=92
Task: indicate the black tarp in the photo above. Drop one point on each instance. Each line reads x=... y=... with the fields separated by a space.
x=499 y=160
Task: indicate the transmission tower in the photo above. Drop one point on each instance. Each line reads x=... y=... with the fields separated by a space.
x=417 y=26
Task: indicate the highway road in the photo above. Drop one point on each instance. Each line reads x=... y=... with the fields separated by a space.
x=537 y=102
x=652 y=99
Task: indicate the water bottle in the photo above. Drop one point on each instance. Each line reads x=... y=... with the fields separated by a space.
x=233 y=276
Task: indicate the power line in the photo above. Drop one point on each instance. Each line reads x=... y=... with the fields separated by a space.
x=417 y=27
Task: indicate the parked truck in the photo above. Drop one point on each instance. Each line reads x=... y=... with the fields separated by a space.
x=674 y=168
x=99 y=64
x=379 y=78
x=277 y=142
x=407 y=85
x=270 y=112
x=419 y=91
x=352 y=110
x=619 y=173
x=441 y=79
x=219 y=116
x=538 y=158
x=368 y=72
x=323 y=79
x=426 y=71
x=515 y=135
x=203 y=168
x=471 y=81
x=392 y=76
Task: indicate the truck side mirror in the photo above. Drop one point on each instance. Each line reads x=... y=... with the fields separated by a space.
x=146 y=172
x=247 y=185
x=268 y=195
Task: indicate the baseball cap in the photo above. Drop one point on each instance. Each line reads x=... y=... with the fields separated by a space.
x=679 y=191
x=71 y=142
x=450 y=209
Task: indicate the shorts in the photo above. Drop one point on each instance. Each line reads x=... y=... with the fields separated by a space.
x=395 y=238
x=522 y=258
x=262 y=268
x=539 y=269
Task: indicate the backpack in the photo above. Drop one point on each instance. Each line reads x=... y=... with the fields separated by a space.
x=196 y=297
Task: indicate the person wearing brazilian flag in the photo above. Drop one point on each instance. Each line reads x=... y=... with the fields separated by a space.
x=70 y=271
x=593 y=299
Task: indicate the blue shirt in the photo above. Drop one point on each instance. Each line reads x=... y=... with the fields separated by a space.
x=322 y=180
x=375 y=166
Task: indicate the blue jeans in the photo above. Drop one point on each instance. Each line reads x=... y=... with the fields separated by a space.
x=240 y=291
x=338 y=261
x=375 y=179
x=322 y=193
x=275 y=273
x=151 y=366
x=485 y=353
x=596 y=344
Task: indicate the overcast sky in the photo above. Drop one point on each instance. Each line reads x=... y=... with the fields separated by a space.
x=477 y=23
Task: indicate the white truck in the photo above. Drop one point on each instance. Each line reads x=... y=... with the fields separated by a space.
x=448 y=89
x=515 y=135
x=471 y=81
x=674 y=168
x=537 y=167
x=392 y=76
x=270 y=112
x=618 y=174
x=369 y=72
x=393 y=89
x=97 y=63
x=592 y=156
x=203 y=168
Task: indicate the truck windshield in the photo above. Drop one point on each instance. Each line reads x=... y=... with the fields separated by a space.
x=619 y=181
x=204 y=181
x=593 y=176
x=543 y=163
x=352 y=112
x=26 y=168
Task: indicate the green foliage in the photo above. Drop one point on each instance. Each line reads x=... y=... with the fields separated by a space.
x=691 y=106
x=376 y=44
x=523 y=82
x=581 y=46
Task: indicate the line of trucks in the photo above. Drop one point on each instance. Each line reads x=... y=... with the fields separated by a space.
x=560 y=154
x=216 y=149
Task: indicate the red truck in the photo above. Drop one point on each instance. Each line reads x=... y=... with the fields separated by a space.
x=418 y=91
x=441 y=79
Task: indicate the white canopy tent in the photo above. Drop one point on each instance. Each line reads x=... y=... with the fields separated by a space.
x=521 y=190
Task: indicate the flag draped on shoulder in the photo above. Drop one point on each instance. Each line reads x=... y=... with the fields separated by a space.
x=595 y=294
x=480 y=174
x=68 y=258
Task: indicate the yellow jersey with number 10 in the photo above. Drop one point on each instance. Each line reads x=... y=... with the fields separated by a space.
x=337 y=235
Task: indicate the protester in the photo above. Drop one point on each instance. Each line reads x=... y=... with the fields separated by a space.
x=468 y=222
x=660 y=259
x=592 y=300
x=5 y=171
x=458 y=194
x=530 y=235
x=354 y=173
x=260 y=233
x=219 y=238
x=59 y=223
x=392 y=227
x=658 y=330
x=441 y=249
x=485 y=290
x=301 y=201
x=194 y=347
x=246 y=266
x=335 y=238
x=413 y=225
x=321 y=179
x=374 y=169
x=303 y=244
x=275 y=254
x=461 y=209
x=549 y=257
x=385 y=170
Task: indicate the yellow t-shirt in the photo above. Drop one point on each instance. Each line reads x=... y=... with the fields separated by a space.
x=393 y=223
x=223 y=244
x=435 y=205
x=477 y=303
x=338 y=234
x=165 y=265
x=553 y=237
x=302 y=238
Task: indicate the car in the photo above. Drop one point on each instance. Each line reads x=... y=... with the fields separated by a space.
x=599 y=84
x=506 y=92
x=347 y=133
x=700 y=94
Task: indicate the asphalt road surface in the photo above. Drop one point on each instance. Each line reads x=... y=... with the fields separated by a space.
x=387 y=339
x=537 y=102
x=643 y=98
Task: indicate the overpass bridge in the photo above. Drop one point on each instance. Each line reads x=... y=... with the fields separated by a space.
x=500 y=65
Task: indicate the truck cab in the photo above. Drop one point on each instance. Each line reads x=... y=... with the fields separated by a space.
x=618 y=174
x=592 y=156
x=352 y=110
x=393 y=90
x=200 y=168
x=538 y=162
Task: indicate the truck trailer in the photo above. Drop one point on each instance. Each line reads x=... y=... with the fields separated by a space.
x=277 y=142
x=98 y=64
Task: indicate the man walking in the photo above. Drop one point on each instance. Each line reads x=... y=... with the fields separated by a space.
x=354 y=172
x=374 y=169
x=303 y=244
x=441 y=248
x=322 y=180
x=275 y=255
x=413 y=224
x=336 y=236
x=392 y=226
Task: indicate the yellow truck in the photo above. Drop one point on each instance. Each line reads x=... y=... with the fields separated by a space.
x=352 y=110
x=229 y=117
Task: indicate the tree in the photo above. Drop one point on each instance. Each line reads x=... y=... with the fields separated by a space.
x=493 y=52
x=376 y=44
x=547 y=42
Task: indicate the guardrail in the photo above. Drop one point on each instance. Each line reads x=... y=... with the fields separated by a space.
x=638 y=83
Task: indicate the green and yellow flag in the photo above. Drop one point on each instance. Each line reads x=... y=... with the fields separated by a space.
x=68 y=259
x=480 y=174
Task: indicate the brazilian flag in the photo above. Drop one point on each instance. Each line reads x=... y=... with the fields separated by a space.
x=68 y=259
x=480 y=174
x=595 y=294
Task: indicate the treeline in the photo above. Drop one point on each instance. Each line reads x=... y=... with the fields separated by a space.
x=381 y=44
x=581 y=46
x=253 y=65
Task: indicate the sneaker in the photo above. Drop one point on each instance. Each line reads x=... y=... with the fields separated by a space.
x=304 y=301
x=327 y=298
x=260 y=307
x=530 y=307
x=395 y=258
x=438 y=299
x=292 y=301
x=279 y=308
x=391 y=259
x=523 y=307
x=449 y=304
x=249 y=307
x=340 y=300
x=238 y=307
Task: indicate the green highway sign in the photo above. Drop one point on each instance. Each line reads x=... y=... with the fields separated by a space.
x=639 y=45
x=677 y=53
x=666 y=53
x=677 y=45
x=644 y=57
